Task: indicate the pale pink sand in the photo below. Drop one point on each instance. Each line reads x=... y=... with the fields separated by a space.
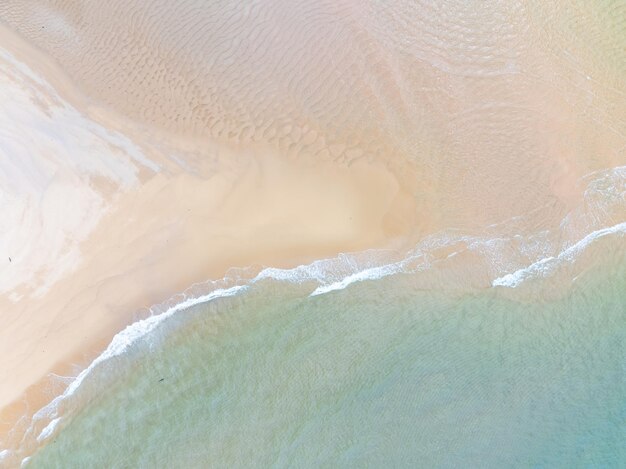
x=156 y=144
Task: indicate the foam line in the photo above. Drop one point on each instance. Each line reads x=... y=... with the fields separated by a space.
x=328 y=275
x=547 y=265
x=47 y=431
x=120 y=344
x=373 y=273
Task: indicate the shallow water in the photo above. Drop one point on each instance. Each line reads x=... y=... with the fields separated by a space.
x=379 y=374
x=498 y=340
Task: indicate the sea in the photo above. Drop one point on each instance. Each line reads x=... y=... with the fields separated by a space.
x=425 y=358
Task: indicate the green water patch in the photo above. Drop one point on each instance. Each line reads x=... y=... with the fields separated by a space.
x=380 y=374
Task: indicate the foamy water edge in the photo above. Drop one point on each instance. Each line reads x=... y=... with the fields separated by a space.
x=330 y=275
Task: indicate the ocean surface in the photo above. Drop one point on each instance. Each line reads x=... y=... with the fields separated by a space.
x=361 y=362
x=494 y=337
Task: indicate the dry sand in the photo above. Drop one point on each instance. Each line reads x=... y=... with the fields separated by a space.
x=147 y=146
x=105 y=242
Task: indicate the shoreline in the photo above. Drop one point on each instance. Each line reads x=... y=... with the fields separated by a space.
x=130 y=172
x=321 y=273
x=95 y=324
x=174 y=224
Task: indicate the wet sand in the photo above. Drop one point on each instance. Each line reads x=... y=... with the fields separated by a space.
x=171 y=225
x=173 y=149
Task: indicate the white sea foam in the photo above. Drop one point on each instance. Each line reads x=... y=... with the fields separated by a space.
x=319 y=271
x=372 y=273
x=131 y=334
x=47 y=431
x=500 y=254
x=119 y=345
x=546 y=266
x=330 y=275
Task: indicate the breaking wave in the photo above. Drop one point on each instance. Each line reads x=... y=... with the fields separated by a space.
x=490 y=259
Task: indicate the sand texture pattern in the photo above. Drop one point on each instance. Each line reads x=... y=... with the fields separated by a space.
x=148 y=146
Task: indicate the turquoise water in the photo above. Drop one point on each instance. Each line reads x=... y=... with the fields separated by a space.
x=383 y=373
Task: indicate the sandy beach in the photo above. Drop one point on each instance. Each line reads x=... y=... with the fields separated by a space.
x=156 y=234
x=134 y=165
